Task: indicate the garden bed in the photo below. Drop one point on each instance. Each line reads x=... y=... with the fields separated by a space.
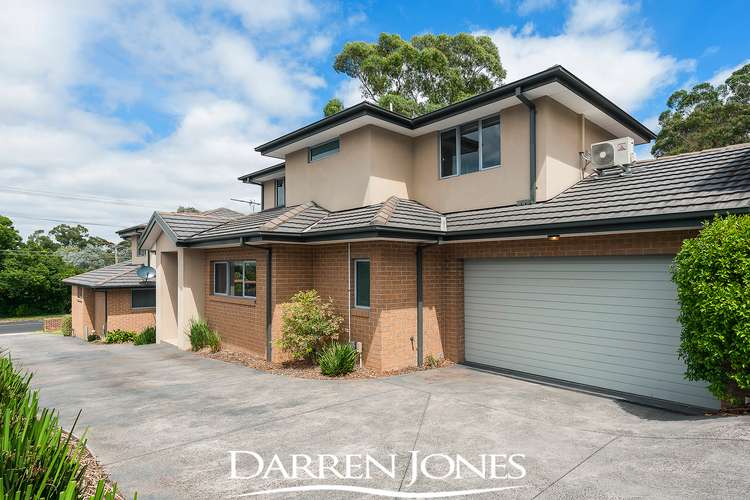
x=303 y=369
x=94 y=471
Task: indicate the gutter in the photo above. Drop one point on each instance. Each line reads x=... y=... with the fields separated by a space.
x=532 y=143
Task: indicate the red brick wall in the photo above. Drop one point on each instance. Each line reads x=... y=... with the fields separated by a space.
x=388 y=329
x=121 y=316
x=239 y=321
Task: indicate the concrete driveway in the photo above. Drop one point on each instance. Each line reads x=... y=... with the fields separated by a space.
x=21 y=326
x=163 y=422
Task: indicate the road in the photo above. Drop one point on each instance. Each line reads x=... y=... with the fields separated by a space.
x=21 y=326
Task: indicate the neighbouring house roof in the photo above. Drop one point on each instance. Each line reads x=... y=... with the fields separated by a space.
x=556 y=82
x=669 y=192
x=122 y=275
x=131 y=231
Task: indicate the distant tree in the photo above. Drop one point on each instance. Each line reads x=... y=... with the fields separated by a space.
x=190 y=210
x=30 y=275
x=423 y=74
x=41 y=241
x=334 y=106
x=9 y=237
x=70 y=236
x=706 y=116
x=87 y=258
x=31 y=283
x=123 y=251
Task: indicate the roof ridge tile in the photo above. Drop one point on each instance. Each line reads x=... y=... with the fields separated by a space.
x=385 y=212
x=285 y=216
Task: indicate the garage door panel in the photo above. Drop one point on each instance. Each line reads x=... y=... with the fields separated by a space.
x=634 y=385
x=533 y=310
x=608 y=322
x=585 y=355
x=574 y=339
x=573 y=300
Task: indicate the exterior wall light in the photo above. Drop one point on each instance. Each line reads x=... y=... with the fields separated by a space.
x=553 y=237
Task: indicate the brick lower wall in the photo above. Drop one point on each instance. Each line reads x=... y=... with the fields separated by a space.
x=388 y=329
x=82 y=310
x=121 y=316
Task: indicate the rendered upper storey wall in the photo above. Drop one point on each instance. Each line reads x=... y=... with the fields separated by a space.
x=373 y=164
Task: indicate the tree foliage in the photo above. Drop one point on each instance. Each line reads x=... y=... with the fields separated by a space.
x=189 y=210
x=334 y=106
x=31 y=272
x=423 y=74
x=707 y=116
x=712 y=273
x=308 y=323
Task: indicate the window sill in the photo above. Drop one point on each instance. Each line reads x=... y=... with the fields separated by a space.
x=359 y=312
x=143 y=308
x=241 y=301
x=487 y=169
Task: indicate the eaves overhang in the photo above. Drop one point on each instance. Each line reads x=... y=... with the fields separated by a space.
x=554 y=81
x=156 y=222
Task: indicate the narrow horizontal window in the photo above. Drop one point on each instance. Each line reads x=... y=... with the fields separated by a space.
x=362 y=283
x=142 y=298
x=323 y=150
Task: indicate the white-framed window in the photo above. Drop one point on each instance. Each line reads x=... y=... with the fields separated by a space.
x=280 y=190
x=362 y=283
x=323 y=150
x=470 y=147
x=235 y=278
x=142 y=298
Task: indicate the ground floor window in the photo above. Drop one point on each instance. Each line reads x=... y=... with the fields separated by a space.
x=236 y=279
x=362 y=283
x=141 y=298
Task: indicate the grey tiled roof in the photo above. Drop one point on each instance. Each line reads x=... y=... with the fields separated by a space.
x=122 y=275
x=690 y=185
x=709 y=181
x=223 y=213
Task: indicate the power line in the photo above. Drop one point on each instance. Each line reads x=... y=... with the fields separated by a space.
x=62 y=221
x=74 y=196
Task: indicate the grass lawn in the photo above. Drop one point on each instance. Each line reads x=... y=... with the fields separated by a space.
x=11 y=319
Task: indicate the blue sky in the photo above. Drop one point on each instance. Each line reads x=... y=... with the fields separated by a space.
x=109 y=110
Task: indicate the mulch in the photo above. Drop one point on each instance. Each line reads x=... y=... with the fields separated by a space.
x=302 y=369
x=94 y=471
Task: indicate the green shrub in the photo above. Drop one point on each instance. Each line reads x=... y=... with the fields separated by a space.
x=201 y=335
x=67 y=326
x=308 y=323
x=337 y=359
x=432 y=361
x=36 y=459
x=147 y=336
x=93 y=337
x=712 y=273
x=119 y=337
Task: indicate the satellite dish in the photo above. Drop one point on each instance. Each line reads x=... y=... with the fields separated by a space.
x=146 y=272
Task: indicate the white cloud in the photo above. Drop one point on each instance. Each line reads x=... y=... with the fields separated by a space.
x=349 y=92
x=223 y=92
x=602 y=44
x=320 y=45
x=721 y=76
x=526 y=7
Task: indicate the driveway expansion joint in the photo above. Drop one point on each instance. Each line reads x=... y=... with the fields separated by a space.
x=416 y=439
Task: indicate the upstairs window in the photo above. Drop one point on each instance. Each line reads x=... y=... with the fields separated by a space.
x=470 y=147
x=280 y=192
x=323 y=150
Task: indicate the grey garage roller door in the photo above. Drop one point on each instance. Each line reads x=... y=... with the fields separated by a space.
x=608 y=322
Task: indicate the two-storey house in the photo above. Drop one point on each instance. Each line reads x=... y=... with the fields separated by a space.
x=478 y=232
